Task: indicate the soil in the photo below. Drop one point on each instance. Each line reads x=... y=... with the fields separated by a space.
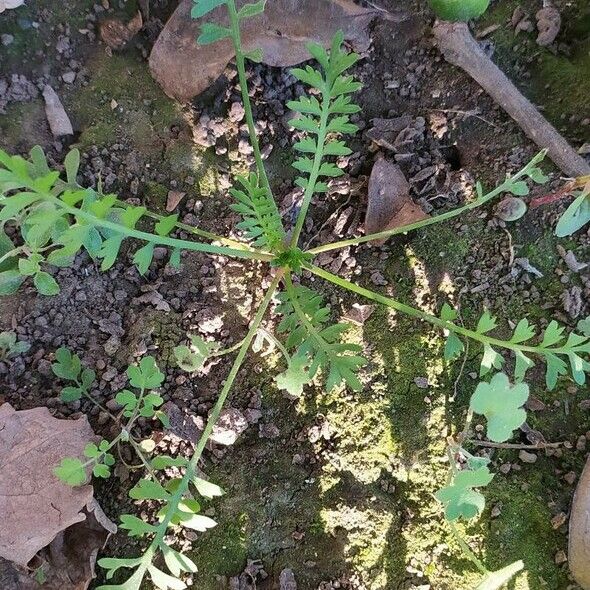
x=337 y=487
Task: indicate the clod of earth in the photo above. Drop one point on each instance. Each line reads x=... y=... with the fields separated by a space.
x=460 y=48
x=38 y=510
x=116 y=34
x=390 y=204
x=281 y=32
x=58 y=120
x=549 y=24
x=579 y=531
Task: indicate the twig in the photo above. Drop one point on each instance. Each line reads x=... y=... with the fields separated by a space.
x=460 y=48
x=493 y=445
x=472 y=113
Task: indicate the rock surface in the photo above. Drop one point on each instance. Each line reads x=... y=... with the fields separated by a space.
x=185 y=69
x=579 y=534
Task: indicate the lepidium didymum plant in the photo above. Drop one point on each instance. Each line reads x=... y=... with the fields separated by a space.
x=56 y=219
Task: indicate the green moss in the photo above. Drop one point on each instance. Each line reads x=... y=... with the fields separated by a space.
x=224 y=552
x=133 y=109
x=524 y=529
x=156 y=195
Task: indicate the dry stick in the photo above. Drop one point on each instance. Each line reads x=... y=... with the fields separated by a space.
x=460 y=48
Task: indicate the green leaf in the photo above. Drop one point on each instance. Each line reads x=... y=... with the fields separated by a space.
x=147 y=489
x=203 y=7
x=10 y=281
x=252 y=9
x=523 y=332
x=584 y=326
x=309 y=75
x=101 y=470
x=576 y=216
x=70 y=394
x=177 y=562
x=72 y=164
x=143 y=257
x=210 y=33
x=198 y=522
x=135 y=526
x=164 y=581
x=255 y=55
x=522 y=365
x=501 y=404
x=6 y=246
x=113 y=564
x=536 y=175
x=91 y=451
x=453 y=347
x=146 y=375
x=486 y=323
x=29 y=266
x=133 y=583
x=552 y=335
x=163 y=461
x=166 y=225
x=447 y=313
x=498 y=579
x=490 y=360
x=459 y=497
x=128 y=400
x=45 y=283
x=71 y=471
x=555 y=368
x=518 y=188
x=39 y=162
x=295 y=377
x=206 y=488
x=68 y=365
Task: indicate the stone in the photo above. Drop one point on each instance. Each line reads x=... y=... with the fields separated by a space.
x=185 y=69
x=579 y=531
x=527 y=457
x=69 y=77
x=6 y=39
x=59 y=122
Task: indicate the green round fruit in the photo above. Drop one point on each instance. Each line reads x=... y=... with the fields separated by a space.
x=459 y=10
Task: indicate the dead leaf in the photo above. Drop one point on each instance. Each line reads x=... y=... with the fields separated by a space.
x=385 y=131
x=579 y=531
x=116 y=34
x=359 y=314
x=69 y=560
x=549 y=24
x=34 y=505
x=58 y=120
x=185 y=69
x=174 y=198
x=389 y=205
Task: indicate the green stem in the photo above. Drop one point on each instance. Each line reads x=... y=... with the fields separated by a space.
x=11 y=253
x=422 y=315
x=158 y=240
x=430 y=220
x=467 y=551
x=315 y=171
x=304 y=319
x=172 y=506
x=199 y=232
x=234 y=22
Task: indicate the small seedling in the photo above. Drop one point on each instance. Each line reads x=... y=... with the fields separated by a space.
x=57 y=219
x=10 y=346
